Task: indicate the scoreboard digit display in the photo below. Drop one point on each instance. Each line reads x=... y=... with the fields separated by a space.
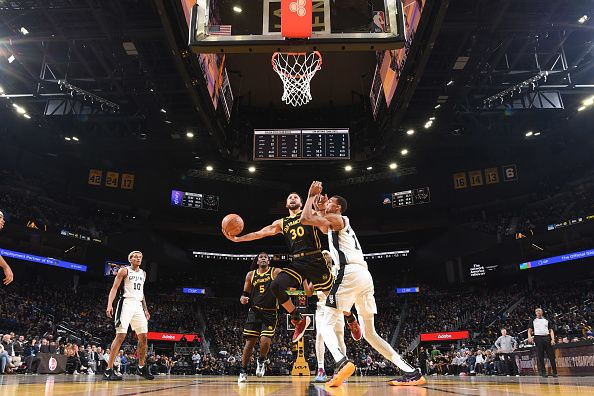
x=194 y=200
x=415 y=196
x=299 y=144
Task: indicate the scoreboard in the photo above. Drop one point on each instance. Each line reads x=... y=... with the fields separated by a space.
x=415 y=196
x=298 y=144
x=194 y=200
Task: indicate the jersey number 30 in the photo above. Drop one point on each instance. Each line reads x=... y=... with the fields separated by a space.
x=295 y=232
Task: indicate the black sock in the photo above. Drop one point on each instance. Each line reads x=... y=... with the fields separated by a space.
x=295 y=315
x=243 y=369
x=350 y=318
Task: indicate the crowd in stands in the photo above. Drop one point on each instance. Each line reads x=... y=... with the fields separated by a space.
x=549 y=203
x=35 y=204
x=58 y=317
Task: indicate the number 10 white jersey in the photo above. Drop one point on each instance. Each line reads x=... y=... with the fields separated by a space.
x=344 y=246
x=134 y=284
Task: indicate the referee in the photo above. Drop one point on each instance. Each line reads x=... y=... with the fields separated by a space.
x=540 y=331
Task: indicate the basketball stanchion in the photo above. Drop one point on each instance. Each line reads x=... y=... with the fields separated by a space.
x=300 y=366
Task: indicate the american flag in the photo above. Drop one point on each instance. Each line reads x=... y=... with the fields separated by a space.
x=219 y=30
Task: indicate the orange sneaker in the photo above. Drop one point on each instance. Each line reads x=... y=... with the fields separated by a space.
x=409 y=379
x=344 y=369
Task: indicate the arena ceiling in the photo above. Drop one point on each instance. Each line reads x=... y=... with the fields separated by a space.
x=132 y=54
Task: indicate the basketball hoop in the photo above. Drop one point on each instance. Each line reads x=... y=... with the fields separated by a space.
x=296 y=69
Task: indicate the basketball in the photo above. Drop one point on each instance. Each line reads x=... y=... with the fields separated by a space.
x=232 y=224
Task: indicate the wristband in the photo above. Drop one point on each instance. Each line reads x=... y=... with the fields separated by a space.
x=245 y=294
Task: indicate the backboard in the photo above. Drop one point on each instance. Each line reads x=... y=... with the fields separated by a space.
x=235 y=26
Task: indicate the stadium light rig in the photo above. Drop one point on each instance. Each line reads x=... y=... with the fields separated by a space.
x=86 y=95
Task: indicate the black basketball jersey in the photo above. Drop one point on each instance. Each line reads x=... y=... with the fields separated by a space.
x=261 y=295
x=300 y=238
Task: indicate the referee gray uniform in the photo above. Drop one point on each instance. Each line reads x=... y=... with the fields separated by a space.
x=542 y=339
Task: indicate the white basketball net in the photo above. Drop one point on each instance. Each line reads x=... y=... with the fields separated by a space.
x=296 y=69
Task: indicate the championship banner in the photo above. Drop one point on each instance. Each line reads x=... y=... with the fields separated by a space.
x=51 y=363
x=173 y=337
x=445 y=336
x=575 y=359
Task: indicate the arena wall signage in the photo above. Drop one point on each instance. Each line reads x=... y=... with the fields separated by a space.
x=575 y=359
x=42 y=260
x=445 y=336
x=173 y=337
x=558 y=259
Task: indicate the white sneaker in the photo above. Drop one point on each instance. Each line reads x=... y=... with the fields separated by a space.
x=242 y=378
x=75 y=372
x=261 y=369
x=90 y=372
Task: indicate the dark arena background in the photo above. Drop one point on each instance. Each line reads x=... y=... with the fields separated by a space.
x=459 y=131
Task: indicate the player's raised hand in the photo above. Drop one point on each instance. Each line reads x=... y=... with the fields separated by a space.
x=315 y=188
x=321 y=202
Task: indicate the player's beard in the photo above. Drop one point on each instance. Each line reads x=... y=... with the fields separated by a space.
x=293 y=206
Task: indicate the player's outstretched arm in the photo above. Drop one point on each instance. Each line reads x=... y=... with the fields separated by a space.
x=247 y=288
x=8 y=276
x=122 y=273
x=270 y=230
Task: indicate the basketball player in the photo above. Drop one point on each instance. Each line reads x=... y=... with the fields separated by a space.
x=307 y=262
x=338 y=328
x=8 y=276
x=131 y=310
x=262 y=316
x=353 y=285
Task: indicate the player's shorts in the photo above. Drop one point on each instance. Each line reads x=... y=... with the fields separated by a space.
x=353 y=285
x=260 y=322
x=129 y=312
x=313 y=268
x=321 y=312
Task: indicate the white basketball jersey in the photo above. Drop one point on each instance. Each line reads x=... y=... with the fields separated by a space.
x=134 y=284
x=344 y=246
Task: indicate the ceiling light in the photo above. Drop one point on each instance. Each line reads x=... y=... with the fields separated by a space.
x=20 y=110
x=26 y=115
x=252 y=169
x=583 y=19
x=410 y=132
x=450 y=83
x=11 y=59
x=537 y=134
x=237 y=9
x=437 y=106
x=581 y=108
x=67 y=138
x=369 y=167
x=348 y=168
x=431 y=118
x=24 y=31
x=1 y=90
x=589 y=101
x=190 y=134
x=529 y=133
x=428 y=124
x=75 y=138
x=393 y=165
x=209 y=168
x=196 y=157
x=163 y=111
x=167 y=122
x=404 y=151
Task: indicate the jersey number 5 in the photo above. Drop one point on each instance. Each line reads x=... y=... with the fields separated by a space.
x=261 y=289
x=299 y=231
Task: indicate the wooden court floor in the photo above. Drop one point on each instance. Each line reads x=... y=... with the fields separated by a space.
x=20 y=385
